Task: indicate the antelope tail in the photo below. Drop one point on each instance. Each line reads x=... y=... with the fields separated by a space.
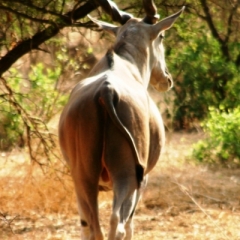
x=107 y=98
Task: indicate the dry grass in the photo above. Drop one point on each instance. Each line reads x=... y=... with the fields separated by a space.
x=182 y=200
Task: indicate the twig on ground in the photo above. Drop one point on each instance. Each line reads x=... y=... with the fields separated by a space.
x=187 y=193
x=3 y=217
x=210 y=198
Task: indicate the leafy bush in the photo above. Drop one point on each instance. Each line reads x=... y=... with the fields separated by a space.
x=202 y=75
x=28 y=104
x=45 y=100
x=222 y=144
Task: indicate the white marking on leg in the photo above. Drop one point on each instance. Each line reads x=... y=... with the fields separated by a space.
x=120 y=232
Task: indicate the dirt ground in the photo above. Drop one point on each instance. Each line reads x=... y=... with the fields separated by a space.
x=182 y=200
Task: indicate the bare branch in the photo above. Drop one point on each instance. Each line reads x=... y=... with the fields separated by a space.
x=230 y=18
x=4 y=218
x=186 y=191
x=210 y=21
x=216 y=35
x=39 y=9
x=31 y=126
x=25 y=15
x=40 y=37
x=238 y=61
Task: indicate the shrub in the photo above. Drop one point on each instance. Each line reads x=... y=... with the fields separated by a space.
x=222 y=144
x=28 y=104
x=202 y=75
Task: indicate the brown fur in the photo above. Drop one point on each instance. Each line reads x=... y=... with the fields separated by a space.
x=111 y=132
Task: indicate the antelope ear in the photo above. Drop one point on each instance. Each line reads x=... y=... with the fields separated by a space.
x=105 y=26
x=166 y=23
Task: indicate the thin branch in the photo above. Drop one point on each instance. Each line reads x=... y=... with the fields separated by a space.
x=62 y=7
x=238 y=61
x=3 y=217
x=25 y=15
x=230 y=18
x=209 y=19
x=211 y=198
x=185 y=190
x=40 y=37
x=39 y=9
x=29 y=122
x=188 y=9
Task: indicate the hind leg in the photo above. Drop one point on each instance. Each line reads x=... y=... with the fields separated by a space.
x=123 y=210
x=129 y=223
x=88 y=211
x=126 y=214
x=125 y=195
x=85 y=173
x=85 y=228
x=120 y=159
x=122 y=167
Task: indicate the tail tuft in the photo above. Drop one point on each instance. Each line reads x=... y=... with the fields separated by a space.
x=139 y=174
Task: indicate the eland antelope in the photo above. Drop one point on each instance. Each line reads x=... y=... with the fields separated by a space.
x=111 y=133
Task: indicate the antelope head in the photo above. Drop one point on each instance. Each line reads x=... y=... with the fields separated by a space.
x=142 y=40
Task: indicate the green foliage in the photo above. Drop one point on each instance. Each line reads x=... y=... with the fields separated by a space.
x=43 y=85
x=202 y=75
x=223 y=142
x=32 y=104
x=11 y=129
